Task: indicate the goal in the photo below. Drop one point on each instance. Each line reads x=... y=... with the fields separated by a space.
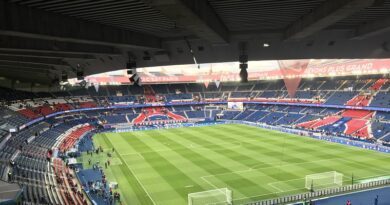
x=323 y=180
x=221 y=196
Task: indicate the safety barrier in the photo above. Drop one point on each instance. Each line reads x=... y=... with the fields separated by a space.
x=322 y=193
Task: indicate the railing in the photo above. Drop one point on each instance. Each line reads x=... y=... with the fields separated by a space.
x=200 y=103
x=320 y=136
x=322 y=193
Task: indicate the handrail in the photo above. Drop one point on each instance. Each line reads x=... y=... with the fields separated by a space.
x=200 y=103
x=322 y=193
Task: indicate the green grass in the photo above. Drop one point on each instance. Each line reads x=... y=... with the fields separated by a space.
x=164 y=166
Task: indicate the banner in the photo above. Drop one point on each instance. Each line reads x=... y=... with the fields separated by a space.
x=217 y=82
x=292 y=74
x=260 y=70
x=96 y=87
x=206 y=84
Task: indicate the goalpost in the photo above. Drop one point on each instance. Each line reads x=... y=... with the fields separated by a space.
x=323 y=180
x=221 y=196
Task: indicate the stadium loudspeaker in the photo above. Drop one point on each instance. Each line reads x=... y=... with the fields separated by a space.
x=243 y=66
x=80 y=75
x=135 y=79
x=131 y=65
x=131 y=71
x=64 y=77
x=244 y=73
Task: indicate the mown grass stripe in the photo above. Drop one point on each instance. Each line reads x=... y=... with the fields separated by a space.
x=176 y=181
x=209 y=166
x=163 y=158
x=142 y=196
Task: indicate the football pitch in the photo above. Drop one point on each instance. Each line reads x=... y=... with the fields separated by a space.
x=164 y=166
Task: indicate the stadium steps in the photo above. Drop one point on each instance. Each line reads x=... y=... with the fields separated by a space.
x=342 y=84
x=297 y=120
x=378 y=84
x=263 y=117
x=319 y=87
x=127 y=119
x=52 y=196
x=359 y=100
x=385 y=136
x=254 y=111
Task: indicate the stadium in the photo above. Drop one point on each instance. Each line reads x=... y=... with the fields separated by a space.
x=198 y=102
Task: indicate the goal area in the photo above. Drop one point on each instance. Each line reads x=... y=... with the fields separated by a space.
x=221 y=196
x=323 y=180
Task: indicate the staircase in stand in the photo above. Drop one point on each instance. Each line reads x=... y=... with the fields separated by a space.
x=378 y=84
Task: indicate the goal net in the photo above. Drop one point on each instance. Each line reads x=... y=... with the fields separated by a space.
x=211 y=197
x=323 y=180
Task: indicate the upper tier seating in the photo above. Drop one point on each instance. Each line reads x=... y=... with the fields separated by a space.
x=341 y=97
x=181 y=96
x=379 y=84
x=384 y=116
x=357 y=113
x=360 y=100
x=381 y=99
x=30 y=147
x=240 y=94
x=115 y=119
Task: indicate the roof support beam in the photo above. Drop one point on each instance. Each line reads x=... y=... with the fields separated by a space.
x=9 y=43
x=197 y=17
x=26 y=65
x=373 y=28
x=9 y=68
x=46 y=55
x=323 y=16
x=34 y=60
x=39 y=77
x=22 y=21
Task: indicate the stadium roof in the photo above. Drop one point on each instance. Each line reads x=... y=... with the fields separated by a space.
x=42 y=39
x=258 y=70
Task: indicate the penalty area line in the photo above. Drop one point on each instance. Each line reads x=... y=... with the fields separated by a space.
x=209 y=183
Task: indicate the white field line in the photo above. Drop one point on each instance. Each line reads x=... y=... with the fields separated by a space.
x=138 y=180
x=208 y=182
x=270 y=184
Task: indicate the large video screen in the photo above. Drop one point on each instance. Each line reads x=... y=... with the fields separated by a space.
x=236 y=105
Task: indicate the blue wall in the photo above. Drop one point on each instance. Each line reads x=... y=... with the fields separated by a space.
x=361 y=198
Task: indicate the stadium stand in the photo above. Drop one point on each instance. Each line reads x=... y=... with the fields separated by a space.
x=34 y=144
